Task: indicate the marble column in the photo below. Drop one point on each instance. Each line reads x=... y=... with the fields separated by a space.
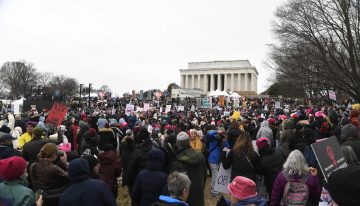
x=225 y=83
x=218 y=86
x=186 y=81
x=198 y=81
x=192 y=81
x=253 y=82
x=239 y=81
x=212 y=83
x=246 y=88
x=232 y=82
x=205 y=83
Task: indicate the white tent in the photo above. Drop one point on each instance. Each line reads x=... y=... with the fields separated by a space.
x=223 y=93
x=215 y=93
x=235 y=95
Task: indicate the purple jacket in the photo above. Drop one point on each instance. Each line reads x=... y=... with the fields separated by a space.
x=279 y=185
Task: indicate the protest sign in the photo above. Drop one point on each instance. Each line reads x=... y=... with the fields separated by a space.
x=222 y=101
x=236 y=102
x=56 y=114
x=168 y=108
x=277 y=105
x=192 y=108
x=180 y=108
x=223 y=179
x=329 y=156
x=129 y=109
x=198 y=102
x=332 y=95
x=146 y=107
x=161 y=110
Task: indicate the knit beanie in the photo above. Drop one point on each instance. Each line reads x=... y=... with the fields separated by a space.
x=12 y=168
x=344 y=185
x=182 y=140
x=348 y=131
x=262 y=142
x=242 y=188
x=156 y=159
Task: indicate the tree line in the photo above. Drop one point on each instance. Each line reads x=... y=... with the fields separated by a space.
x=21 y=79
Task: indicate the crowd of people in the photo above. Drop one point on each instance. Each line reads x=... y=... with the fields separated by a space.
x=166 y=157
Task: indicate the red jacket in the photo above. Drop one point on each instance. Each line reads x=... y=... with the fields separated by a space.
x=110 y=169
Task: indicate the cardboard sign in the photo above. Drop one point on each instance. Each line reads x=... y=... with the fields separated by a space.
x=329 y=156
x=146 y=107
x=223 y=179
x=332 y=95
x=129 y=109
x=56 y=114
x=168 y=108
x=180 y=108
x=277 y=105
x=222 y=101
x=192 y=108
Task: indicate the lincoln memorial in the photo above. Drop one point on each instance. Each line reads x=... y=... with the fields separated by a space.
x=238 y=76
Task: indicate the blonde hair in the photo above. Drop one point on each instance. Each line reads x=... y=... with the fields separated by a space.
x=48 y=150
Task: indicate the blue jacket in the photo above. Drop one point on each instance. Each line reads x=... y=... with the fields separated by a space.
x=84 y=190
x=214 y=146
x=257 y=200
x=172 y=201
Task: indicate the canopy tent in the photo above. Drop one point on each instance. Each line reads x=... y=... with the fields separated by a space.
x=235 y=95
x=217 y=93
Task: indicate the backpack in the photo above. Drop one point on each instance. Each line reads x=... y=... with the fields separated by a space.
x=295 y=193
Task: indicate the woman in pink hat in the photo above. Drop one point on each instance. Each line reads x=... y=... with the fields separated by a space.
x=242 y=192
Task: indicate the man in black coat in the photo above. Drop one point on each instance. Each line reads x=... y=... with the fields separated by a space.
x=194 y=165
x=32 y=148
x=138 y=158
x=6 y=147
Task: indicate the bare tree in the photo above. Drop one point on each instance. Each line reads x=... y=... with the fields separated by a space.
x=18 y=77
x=319 y=45
x=65 y=86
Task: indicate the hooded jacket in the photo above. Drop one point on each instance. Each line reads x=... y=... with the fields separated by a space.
x=151 y=182
x=107 y=136
x=193 y=163
x=169 y=201
x=14 y=193
x=265 y=131
x=84 y=190
x=110 y=169
x=257 y=200
x=137 y=161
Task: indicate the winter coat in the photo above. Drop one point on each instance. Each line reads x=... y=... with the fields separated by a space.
x=6 y=152
x=48 y=176
x=85 y=190
x=32 y=149
x=271 y=162
x=279 y=185
x=14 y=193
x=126 y=148
x=355 y=145
x=25 y=138
x=149 y=185
x=240 y=165
x=169 y=201
x=266 y=132
x=257 y=200
x=193 y=163
x=215 y=145
x=110 y=170
x=137 y=161
x=107 y=136
x=233 y=134
x=196 y=144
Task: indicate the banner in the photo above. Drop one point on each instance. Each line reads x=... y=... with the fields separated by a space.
x=329 y=156
x=236 y=103
x=222 y=101
x=223 y=179
x=277 y=105
x=332 y=95
x=168 y=108
x=146 y=107
x=207 y=102
x=56 y=114
x=129 y=109
x=180 y=108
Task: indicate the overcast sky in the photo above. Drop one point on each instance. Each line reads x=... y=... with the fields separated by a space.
x=134 y=44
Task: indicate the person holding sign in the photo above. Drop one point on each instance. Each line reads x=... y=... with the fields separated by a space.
x=296 y=180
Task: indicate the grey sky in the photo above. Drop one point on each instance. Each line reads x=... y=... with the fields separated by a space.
x=134 y=44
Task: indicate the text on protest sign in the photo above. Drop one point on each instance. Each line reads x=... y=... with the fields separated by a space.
x=146 y=107
x=329 y=156
x=56 y=114
x=223 y=179
x=168 y=108
x=129 y=109
x=332 y=95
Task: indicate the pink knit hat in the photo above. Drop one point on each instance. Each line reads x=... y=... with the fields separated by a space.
x=242 y=188
x=262 y=142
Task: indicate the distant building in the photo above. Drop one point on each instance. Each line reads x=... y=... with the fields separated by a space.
x=237 y=75
x=182 y=93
